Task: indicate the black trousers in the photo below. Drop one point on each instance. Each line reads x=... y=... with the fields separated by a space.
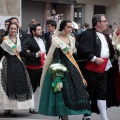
x=97 y=84
x=35 y=76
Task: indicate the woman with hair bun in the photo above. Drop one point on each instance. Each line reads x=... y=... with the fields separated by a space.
x=72 y=99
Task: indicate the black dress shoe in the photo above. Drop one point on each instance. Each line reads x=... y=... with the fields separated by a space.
x=60 y=117
x=13 y=114
x=86 y=119
x=6 y=112
x=33 y=111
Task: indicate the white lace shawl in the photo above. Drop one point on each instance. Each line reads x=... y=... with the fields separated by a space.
x=49 y=57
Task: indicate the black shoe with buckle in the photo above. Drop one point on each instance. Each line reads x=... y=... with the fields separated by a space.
x=60 y=117
x=86 y=119
x=33 y=111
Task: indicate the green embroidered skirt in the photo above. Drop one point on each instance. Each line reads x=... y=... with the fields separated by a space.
x=52 y=104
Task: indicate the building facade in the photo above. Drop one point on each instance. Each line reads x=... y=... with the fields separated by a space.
x=41 y=9
x=80 y=11
x=111 y=8
x=9 y=8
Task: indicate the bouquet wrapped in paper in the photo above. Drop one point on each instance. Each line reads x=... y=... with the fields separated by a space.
x=57 y=71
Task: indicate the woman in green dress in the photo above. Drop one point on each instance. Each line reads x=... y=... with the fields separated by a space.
x=72 y=99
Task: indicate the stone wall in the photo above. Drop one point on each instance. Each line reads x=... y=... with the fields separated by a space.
x=9 y=7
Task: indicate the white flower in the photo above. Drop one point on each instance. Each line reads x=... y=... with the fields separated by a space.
x=1 y=66
x=118 y=47
x=113 y=43
x=53 y=65
x=57 y=69
x=59 y=86
x=58 y=66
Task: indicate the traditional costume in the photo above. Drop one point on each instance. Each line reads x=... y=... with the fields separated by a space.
x=15 y=86
x=73 y=98
x=115 y=42
x=101 y=84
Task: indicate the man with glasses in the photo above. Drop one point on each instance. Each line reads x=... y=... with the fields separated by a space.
x=94 y=49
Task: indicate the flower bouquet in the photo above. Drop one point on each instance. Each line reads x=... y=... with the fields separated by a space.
x=57 y=71
x=117 y=49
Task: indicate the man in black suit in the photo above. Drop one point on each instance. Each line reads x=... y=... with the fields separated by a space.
x=93 y=48
x=34 y=52
x=51 y=26
x=2 y=31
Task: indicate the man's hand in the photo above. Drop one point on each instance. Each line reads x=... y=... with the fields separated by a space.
x=99 y=61
x=28 y=51
x=40 y=53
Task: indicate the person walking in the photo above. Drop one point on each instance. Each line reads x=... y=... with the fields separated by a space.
x=96 y=51
x=51 y=26
x=15 y=87
x=21 y=35
x=34 y=51
x=72 y=98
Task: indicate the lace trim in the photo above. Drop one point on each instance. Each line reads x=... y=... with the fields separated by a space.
x=15 y=92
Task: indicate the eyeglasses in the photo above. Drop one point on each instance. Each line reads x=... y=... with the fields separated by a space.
x=69 y=27
x=104 y=21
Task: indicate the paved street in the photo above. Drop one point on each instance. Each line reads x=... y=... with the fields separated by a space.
x=113 y=114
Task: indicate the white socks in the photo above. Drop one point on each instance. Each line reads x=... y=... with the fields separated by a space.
x=102 y=108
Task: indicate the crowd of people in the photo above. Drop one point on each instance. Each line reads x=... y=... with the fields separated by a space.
x=89 y=84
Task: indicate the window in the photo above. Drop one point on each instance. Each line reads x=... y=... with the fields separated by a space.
x=99 y=9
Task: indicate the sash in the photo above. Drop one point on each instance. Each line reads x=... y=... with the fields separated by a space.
x=95 y=67
x=12 y=46
x=71 y=58
x=40 y=66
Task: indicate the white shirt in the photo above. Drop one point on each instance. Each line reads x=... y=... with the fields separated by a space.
x=40 y=44
x=104 y=50
x=18 y=42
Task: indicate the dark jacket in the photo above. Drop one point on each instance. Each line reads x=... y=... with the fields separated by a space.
x=89 y=45
x=48 y=41
x=31 y=44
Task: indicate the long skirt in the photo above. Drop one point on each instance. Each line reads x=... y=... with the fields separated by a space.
x=71 y=100
x=15 y=87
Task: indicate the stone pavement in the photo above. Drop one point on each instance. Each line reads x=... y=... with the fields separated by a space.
x=113 y=114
